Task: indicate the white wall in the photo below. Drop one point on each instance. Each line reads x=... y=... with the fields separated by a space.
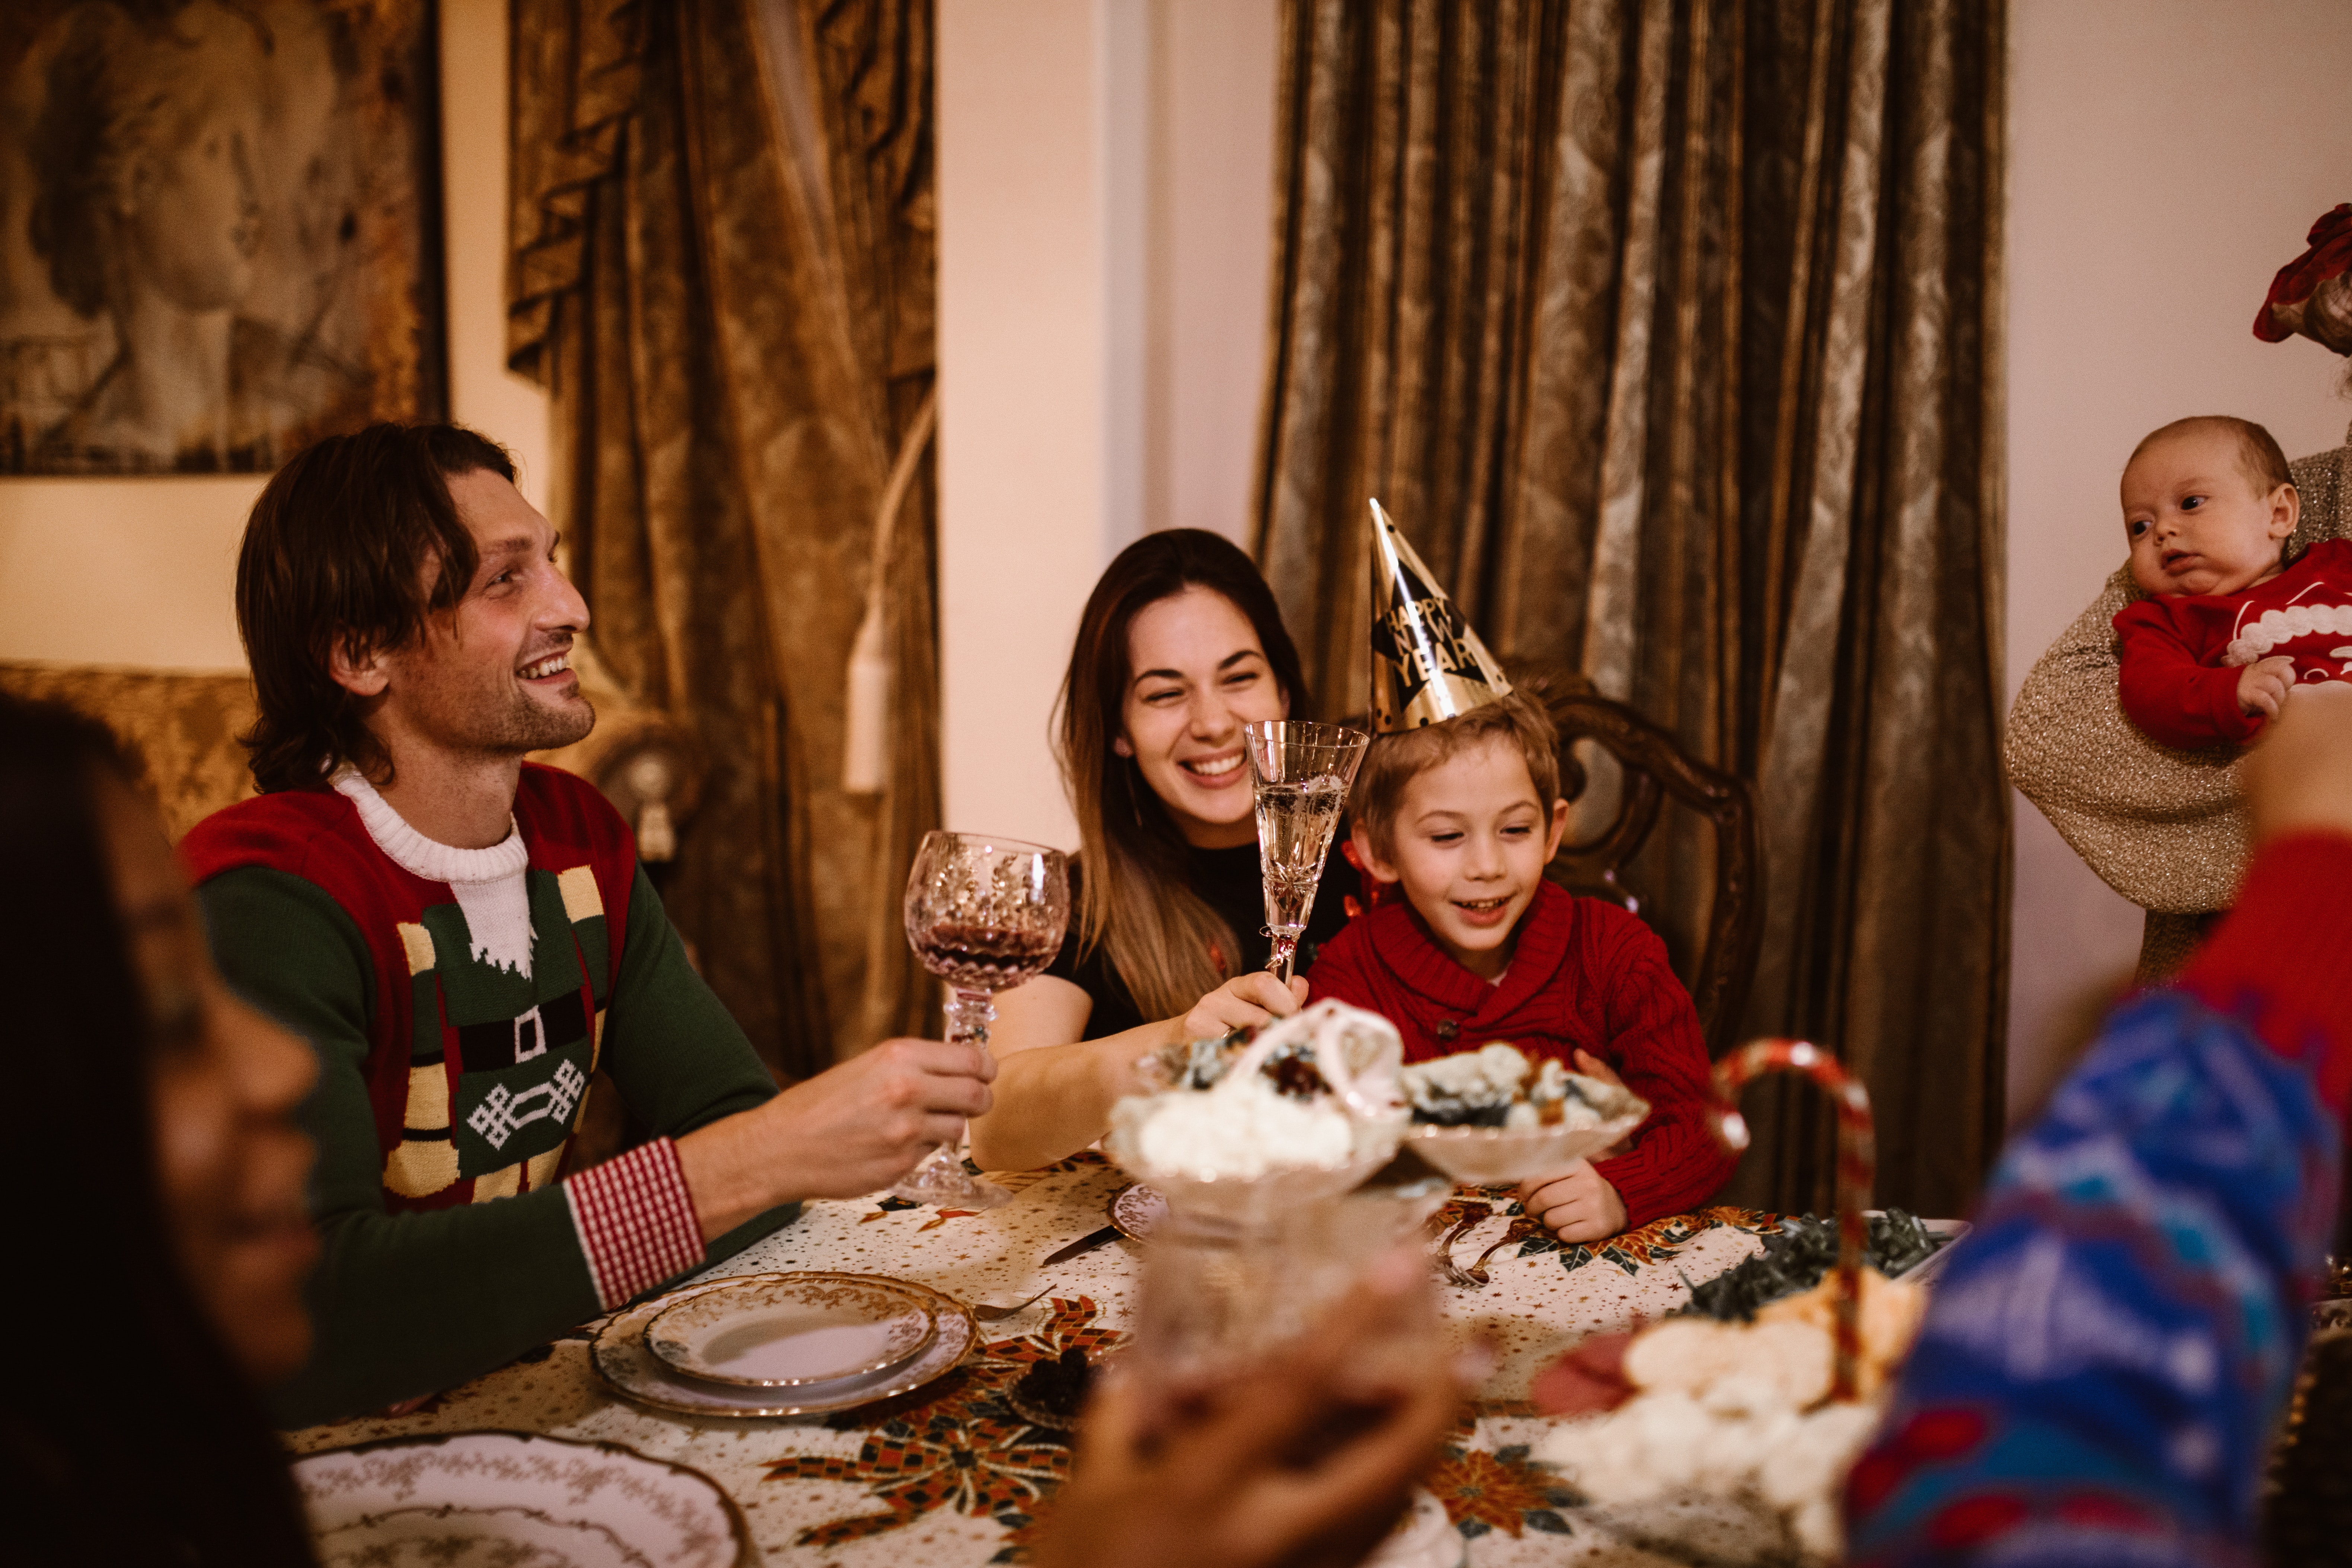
x=1211 y=259
x=2166 y=159
x=1106 y=208
x=140 y=571
x=1040 y=454
x=483 y=393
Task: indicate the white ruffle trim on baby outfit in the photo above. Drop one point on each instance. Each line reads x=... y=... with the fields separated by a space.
x=2256 y=639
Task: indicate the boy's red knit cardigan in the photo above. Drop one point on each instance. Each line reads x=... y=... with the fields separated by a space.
x=1585 y=975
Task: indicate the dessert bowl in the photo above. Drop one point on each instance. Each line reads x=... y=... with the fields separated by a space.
x=1498 y=1156
x=1302 y=1114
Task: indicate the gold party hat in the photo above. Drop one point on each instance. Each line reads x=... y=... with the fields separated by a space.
x=1428 y=666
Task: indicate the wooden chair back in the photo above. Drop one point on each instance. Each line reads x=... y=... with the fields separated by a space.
x=1655 y=768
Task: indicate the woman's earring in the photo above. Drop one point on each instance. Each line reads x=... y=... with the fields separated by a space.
x=1121 y=747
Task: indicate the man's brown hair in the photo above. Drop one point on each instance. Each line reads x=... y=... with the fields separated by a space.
x=1390 y=761
x=352 y=544
x=2259 y=457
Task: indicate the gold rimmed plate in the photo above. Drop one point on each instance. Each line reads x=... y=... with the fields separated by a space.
x=488 y=1498
x=626 y=1366
x=792 y=1333
x=1136 y=1210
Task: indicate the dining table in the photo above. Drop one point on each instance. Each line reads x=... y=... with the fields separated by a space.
x=951 y=1473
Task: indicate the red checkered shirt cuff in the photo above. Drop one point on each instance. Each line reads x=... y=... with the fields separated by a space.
x=636 y=1220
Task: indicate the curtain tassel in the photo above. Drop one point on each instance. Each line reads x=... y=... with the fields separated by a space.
x=866 y=738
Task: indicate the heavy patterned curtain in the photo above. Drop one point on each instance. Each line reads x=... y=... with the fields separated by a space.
x=1668 y=330
x=722 y=268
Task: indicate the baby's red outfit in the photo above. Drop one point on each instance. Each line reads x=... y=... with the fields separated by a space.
x=2181 y=658
x=1585 y=975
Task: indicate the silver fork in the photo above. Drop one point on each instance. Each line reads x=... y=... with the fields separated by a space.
x=1476 y=1272
x=1444 y=1254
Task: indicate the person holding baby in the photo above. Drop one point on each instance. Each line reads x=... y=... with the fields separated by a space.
x=2126 y=732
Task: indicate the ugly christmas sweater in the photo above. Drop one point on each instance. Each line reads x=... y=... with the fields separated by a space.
x=1584 y=975
x=458 y=1001
x=2104 y=1364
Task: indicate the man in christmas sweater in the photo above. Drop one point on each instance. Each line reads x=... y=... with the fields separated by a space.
x=466 y=937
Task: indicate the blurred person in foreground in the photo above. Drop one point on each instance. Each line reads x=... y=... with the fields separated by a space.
x=2106 y=1357
x=1306 y=1459
x=155 y=1148
x=465 y=938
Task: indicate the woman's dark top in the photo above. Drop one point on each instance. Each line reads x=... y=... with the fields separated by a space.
x=1229 y=883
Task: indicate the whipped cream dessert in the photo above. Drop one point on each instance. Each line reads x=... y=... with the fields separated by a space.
x=1496 y=1086
x=1313 y=1091
x=1244 y=1129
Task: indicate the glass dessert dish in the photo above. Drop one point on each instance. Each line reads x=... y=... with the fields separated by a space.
x=1236 y=1132
x=1491 y=1118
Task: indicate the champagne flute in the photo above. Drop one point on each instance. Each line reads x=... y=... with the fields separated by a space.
x=1301 y=772
x=984 y=914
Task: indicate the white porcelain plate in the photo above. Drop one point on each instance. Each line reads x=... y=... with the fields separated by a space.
x=1136 y=1211
x=631 y=1370
x=792 y=1332
x=510 y=1499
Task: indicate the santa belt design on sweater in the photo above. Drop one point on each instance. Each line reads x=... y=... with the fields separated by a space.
x=525 y=1074
x=501 y=1115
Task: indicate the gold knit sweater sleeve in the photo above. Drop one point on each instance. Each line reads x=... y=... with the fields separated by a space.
x=2162 y=827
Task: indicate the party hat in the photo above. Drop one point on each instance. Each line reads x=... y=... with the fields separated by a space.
x=1428 y=666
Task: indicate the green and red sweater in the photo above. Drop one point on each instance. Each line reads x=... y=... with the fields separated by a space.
x=458 y=1022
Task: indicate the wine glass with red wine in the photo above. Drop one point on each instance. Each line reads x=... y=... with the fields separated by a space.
x=984 y=914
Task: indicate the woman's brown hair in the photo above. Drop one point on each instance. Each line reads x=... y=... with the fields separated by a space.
x=1134 y=902
x=82 y=1045
x=337 y=556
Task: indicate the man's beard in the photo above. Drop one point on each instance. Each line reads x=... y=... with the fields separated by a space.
x=514 y=724
x=524 y=725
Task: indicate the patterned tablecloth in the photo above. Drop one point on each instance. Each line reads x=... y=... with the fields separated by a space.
x=950 y=1475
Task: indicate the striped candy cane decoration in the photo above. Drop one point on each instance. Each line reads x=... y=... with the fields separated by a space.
x=1858 y=1167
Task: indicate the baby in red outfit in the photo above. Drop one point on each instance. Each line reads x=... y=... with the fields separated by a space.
x=1463 y=815
x=2230 y=630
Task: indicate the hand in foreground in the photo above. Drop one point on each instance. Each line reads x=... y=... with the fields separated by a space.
x=1298 y=1461
x=2263 y=685
x=1242 y=1003
x=1577 y=1204
x=2299 y=775
x=849 y=1130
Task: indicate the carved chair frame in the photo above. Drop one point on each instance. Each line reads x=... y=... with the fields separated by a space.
x=1655 y=768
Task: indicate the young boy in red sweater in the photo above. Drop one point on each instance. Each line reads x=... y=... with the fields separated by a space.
x=1463 y=815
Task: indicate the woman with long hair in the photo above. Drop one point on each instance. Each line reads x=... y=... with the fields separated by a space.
x=155 y=1147
x=1181 y=645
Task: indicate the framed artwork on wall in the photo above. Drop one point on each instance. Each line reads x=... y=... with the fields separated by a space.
x=220 y=229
